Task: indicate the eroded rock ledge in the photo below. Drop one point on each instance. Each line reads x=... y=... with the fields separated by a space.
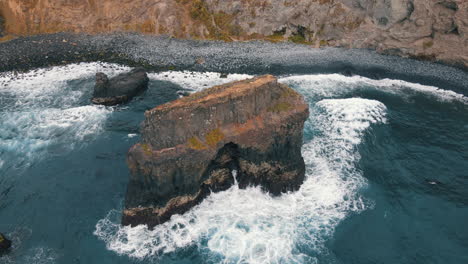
x=191 y=147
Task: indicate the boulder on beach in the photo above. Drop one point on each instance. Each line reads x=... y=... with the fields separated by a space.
x=119 y=89
x=249 y=132
x=5 y=244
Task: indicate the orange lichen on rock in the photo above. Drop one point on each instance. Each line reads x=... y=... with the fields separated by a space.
x=195 y=143
x=214 y=137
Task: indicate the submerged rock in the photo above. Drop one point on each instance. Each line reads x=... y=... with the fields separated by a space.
x=120 y=89
x=5 y=244
x=195 y=145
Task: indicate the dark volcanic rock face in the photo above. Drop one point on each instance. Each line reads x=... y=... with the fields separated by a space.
x=121 y=88
x=194 y=145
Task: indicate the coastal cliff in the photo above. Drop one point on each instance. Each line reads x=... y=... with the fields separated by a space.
x=427 y=29
x=248 y=131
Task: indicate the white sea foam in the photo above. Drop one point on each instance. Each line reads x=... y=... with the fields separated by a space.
x=58 y=74
x=196 y=81
x=249 y=226
x=335 y=85
x=47 y=87
x=236 y=226
x=42 y=256
x=32 y=131
x=40 y=109
x=35 y=255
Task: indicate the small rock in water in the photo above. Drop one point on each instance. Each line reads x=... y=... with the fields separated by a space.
x=5 y=244
x=119 y=89
x=223 y=75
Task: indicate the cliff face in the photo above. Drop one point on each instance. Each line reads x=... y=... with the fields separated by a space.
x=251 y=130
x=432 y=29
x=174 y=17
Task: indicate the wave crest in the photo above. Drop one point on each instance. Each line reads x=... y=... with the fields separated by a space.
x=250 y=226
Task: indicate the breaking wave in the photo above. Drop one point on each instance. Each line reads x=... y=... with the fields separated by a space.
x=41 y=112
x=250 y=226
x=197 y=81
x=337 y=85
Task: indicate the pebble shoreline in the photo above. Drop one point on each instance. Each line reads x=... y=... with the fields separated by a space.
x=157 y=53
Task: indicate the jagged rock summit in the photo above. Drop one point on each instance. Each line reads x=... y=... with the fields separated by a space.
x=121 y=88
x=251 y=130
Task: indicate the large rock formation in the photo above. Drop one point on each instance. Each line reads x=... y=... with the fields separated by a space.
x=431 y=29
x=194 y=145
x=119 y=89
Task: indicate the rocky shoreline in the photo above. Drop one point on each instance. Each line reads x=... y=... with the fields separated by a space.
x=430 y=30
x=25 y=53
x=32 y=52
x=157 y=53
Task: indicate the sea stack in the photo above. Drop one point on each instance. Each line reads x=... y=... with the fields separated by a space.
x=5 y=244
x=251 y=130
x=119 y=89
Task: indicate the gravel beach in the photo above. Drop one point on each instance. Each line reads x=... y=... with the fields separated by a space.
x=164 y=53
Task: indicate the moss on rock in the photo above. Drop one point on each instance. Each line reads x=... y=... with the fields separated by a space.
x=147 y=149
x=195 y=143
x=280 y=107
x=214 y=137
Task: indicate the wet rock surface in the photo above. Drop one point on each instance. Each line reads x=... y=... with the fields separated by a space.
x=121 y=88
x=250 y=130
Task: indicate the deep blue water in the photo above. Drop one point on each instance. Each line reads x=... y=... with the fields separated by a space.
x=387 y=179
